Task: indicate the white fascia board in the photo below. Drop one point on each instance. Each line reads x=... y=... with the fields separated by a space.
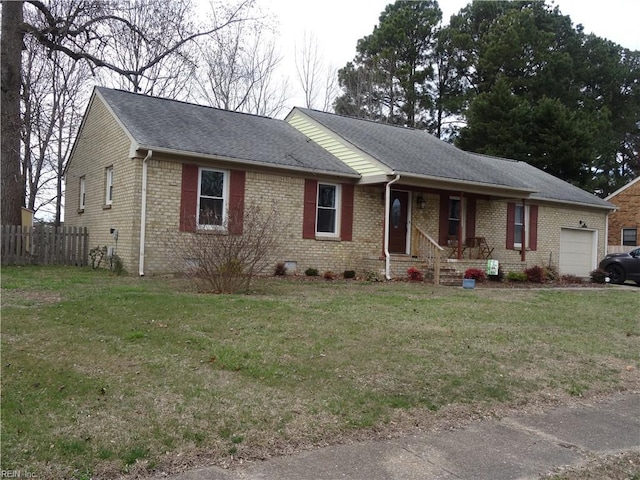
x=242 y=161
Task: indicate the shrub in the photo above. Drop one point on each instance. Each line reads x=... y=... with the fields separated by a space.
x=551 y=274
x=571 y=279
x=311 y=272
x=535 y=274
x=414 y=274
x=116 y=266
x=349 y=274
x=372 y=277
x=281 y=270
x=598 y=276
x=329 y=275
x=96 y=255
x=226 y=263
x=476 y=274
x=517 y=277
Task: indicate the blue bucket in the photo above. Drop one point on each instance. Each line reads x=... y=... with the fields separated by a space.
x=468 y=283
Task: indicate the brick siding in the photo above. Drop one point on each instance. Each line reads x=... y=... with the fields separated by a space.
x=627 y=215
x=103 y=144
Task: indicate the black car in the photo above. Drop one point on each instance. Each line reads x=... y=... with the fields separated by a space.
x=622 y=266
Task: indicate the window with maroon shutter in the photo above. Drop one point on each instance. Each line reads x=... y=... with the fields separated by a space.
x=309 y=213
x=327 y=210
x=533 y=227
x=236 y=201
x=211 y=199
x=189 y=198
x=452 y=210
x=522 y=218
x=346 y=219
x=511 y=215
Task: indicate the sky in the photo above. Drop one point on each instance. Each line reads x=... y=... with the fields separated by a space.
x=337 y=25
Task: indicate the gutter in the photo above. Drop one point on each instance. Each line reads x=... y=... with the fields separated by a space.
x=143 y=213
x=244 y=161
x=387 y=200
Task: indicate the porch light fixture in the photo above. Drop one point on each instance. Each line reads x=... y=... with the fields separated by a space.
x=422 y=203
x=582 y=224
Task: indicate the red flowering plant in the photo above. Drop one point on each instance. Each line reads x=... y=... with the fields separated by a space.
x=476 y=274
x=414 y=274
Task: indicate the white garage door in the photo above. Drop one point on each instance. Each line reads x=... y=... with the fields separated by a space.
x=577 y=249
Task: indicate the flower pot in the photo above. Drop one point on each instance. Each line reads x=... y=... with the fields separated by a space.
x=468 y=283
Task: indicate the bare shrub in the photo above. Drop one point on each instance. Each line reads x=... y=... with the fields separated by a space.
x=225 y=262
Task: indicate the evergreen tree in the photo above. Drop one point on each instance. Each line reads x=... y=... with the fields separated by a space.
x=389 y=78
x=574 y=98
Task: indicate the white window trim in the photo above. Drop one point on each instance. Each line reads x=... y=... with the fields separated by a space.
x=225 y=200
x=338 y=207
x=622 y=235
x=83 y=192
x=525 y=225
x=108 y=194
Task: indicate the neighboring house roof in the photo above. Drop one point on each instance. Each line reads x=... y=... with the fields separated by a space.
x=183 y=128
x=623 y=188
x=412 y=152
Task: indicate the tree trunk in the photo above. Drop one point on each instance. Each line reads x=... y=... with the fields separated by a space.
x=11 y=52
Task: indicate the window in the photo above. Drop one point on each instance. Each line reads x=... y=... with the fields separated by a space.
x=521 y=217
x=522 y=221
x=109 y=186
x=327 y=209
x=203 y=207
x=454 y=216
x=212 y=198
x=83 y=193
x=630 y=236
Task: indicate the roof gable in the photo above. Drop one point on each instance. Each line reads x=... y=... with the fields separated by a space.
x=623 y=188
x=184 y=128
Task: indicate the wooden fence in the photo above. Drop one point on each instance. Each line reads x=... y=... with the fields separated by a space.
x=44 y=245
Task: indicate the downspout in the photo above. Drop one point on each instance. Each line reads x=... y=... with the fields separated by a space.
x=459 y=234
x=523 y=252
x=143 y=212
x=606 y=234
x=387 y=207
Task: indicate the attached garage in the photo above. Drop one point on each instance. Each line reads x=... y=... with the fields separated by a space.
x=577 y=251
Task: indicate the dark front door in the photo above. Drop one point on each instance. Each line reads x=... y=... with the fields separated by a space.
x=398 y=214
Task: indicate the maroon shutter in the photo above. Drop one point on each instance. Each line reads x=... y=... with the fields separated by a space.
x=236 y=201
x=189 y=198
x=511 y=225
x=309 y=212
x=346 y=214
x=533 y=227
x=471 y=218
x=443 y=236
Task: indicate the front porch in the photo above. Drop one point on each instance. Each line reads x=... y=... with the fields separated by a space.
x=444 y=265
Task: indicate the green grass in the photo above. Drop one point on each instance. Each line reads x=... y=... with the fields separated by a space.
x=104 y=375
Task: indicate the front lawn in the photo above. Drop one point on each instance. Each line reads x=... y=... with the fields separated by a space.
x=104 y=375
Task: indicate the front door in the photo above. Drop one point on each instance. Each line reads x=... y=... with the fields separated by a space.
x=398 y=225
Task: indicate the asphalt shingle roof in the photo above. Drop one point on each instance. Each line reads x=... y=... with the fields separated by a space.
x=184 y=127
x=194 y=129
x=416 y=152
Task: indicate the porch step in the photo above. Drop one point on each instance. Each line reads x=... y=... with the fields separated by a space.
x=450 y=276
